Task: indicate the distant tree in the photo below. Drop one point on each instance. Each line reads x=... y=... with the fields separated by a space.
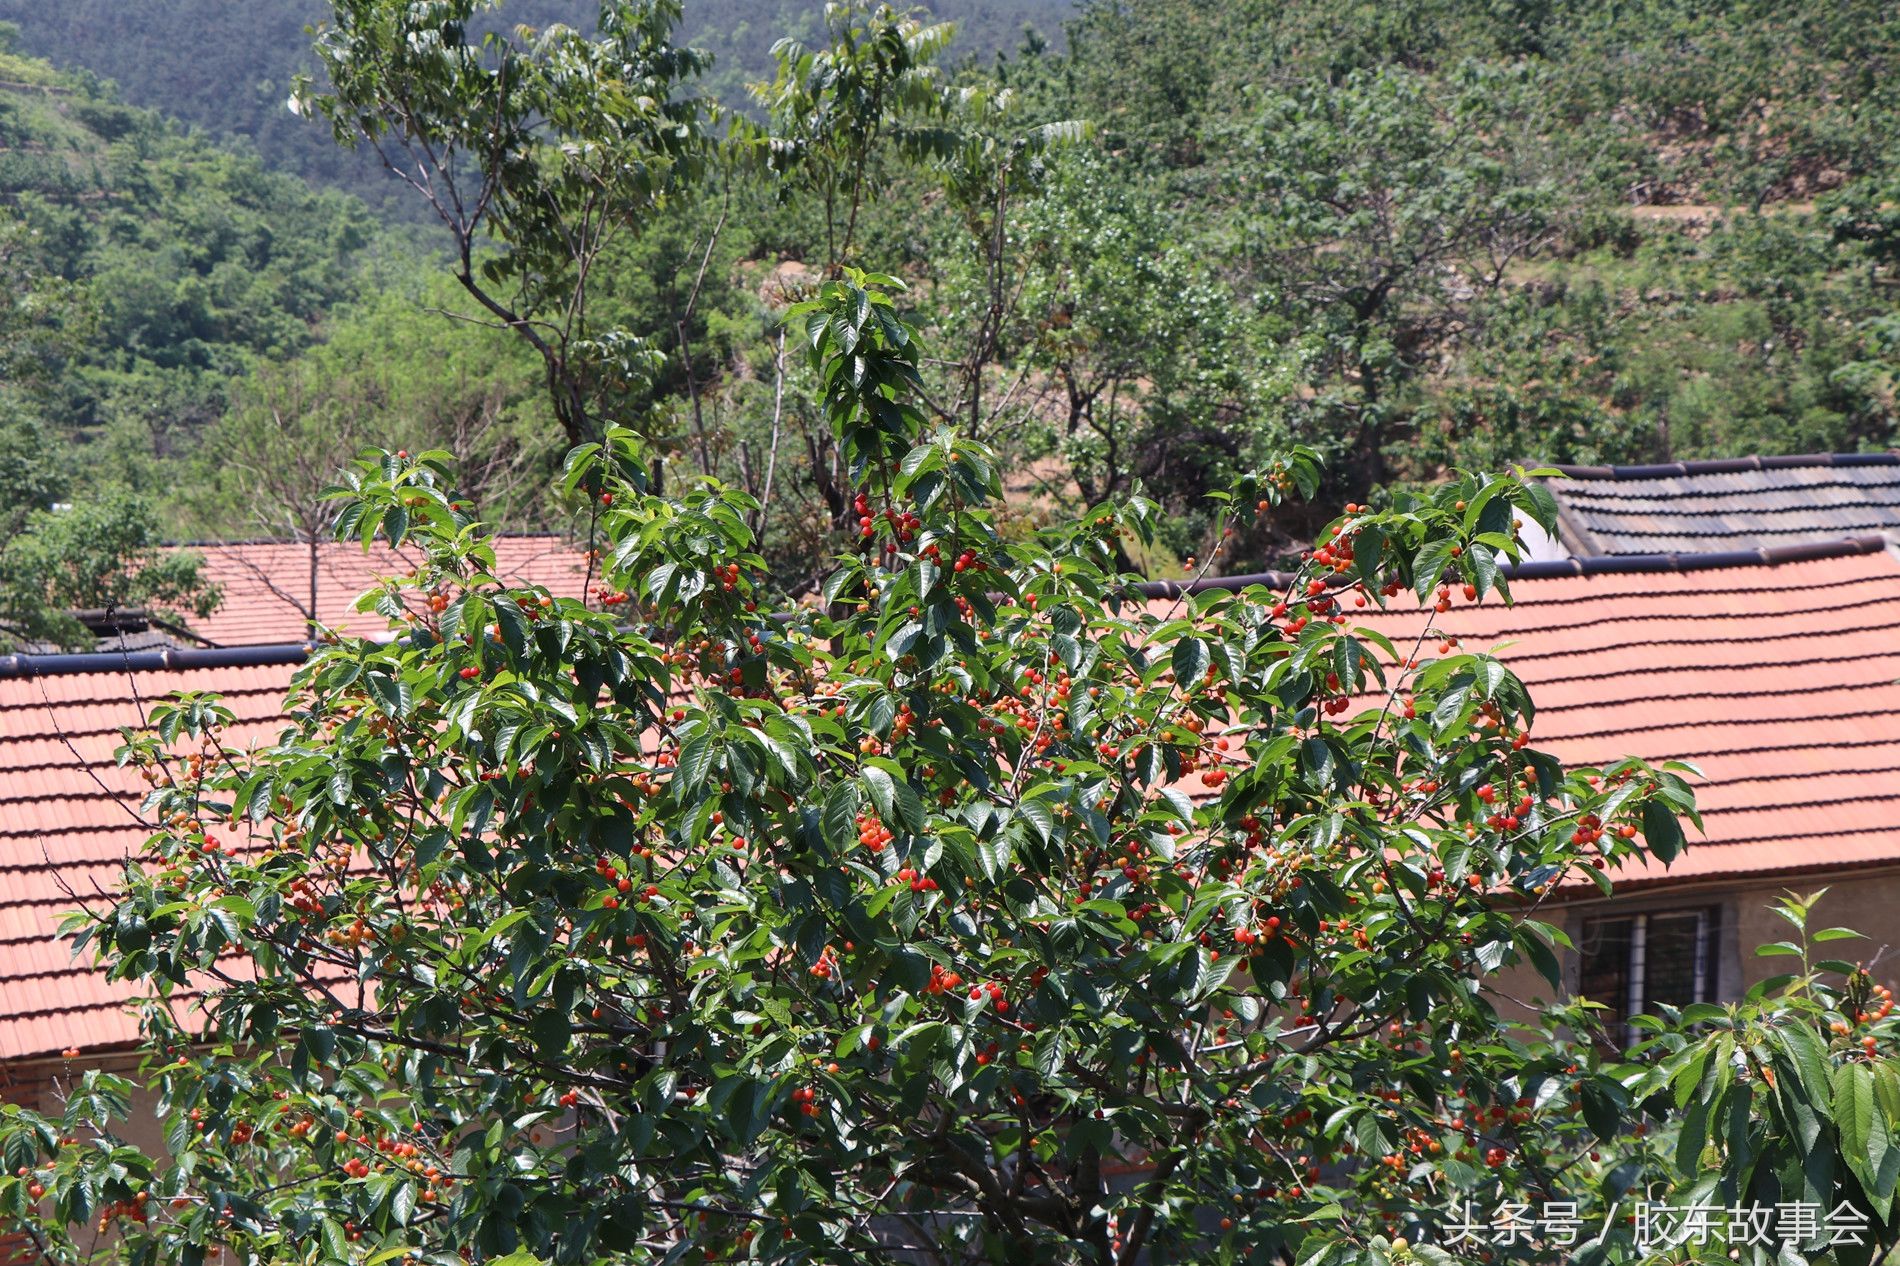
x=1380 y=207
x=44 y=316
x=66 y=545
x=991 y=164
x=875 y=114
x=535 y=151
x=838 y=113
x=105 y=553
x=392 y=371
x=1160 y=380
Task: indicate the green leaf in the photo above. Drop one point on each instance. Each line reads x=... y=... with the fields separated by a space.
x=1542 y=504
x=336 y=1241
x=1662 y=831
x=994 y=855
x=879 y=785
x=1603 y=1103
x=1348 y=664
x=1484 y=569
x=1808 y=1056
x=1692 y=1137
x=1190 y=662
x=1040 y=816
x=1316 y=754
x=1535 y=948
x=696 y=759
x=1690 y=1074
x=1887 y=1094
x=840 y=816
x=392 y=693
x=910 y=808
x=1860 y=1130
x=402 y=1203
x=1429 y=564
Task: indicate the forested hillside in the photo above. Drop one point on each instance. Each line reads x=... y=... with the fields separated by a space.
x=849 y=852
x=227 y=67
x=1412 y=235
x=142 y=272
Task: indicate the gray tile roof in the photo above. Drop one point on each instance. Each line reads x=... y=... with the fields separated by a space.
x=1738 y=503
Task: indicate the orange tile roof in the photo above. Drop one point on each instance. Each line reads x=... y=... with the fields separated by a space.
x=1777 y=677
x=267 y=584
x=67 y=824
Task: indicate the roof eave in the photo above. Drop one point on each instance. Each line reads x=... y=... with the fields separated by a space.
x=60 y=665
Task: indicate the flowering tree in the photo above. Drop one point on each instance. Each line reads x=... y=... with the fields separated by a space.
x=993 y=912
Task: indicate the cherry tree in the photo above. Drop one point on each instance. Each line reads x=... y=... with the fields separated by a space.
x=991 y=910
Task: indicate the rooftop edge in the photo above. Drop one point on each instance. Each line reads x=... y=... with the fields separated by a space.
x=1727 y=465
x=31 y=665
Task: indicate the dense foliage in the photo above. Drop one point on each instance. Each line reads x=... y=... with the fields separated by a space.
x=992 y=911
x=227 y=69
x=865 y=866
x=1409 y=236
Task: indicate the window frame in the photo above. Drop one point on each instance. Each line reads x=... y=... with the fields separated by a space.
x=1705 y=972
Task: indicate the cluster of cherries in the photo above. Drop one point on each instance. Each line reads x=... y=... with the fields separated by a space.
x=994 y=991
x=133 y=1210
x=1874 y=1015
x=904 y=525
x=918 y=882
x=872 y=834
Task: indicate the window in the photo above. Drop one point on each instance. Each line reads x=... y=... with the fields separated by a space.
x=1632 y=962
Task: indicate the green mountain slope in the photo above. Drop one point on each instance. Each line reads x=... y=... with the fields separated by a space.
x=226 y=66
x=182 y=262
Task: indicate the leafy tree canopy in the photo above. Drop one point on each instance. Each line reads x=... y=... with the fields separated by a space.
x=990 y=908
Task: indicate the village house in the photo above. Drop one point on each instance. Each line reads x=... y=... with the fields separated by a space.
x=1790 y=713
x=68 y=814
x=1743 y=616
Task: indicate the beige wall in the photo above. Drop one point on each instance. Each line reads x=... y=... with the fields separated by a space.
x=41 y=1085
x=1867 y=901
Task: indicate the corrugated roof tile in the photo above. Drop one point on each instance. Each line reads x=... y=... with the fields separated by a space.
x=268 y=584
x=1720 y=505
x=1779 y=680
